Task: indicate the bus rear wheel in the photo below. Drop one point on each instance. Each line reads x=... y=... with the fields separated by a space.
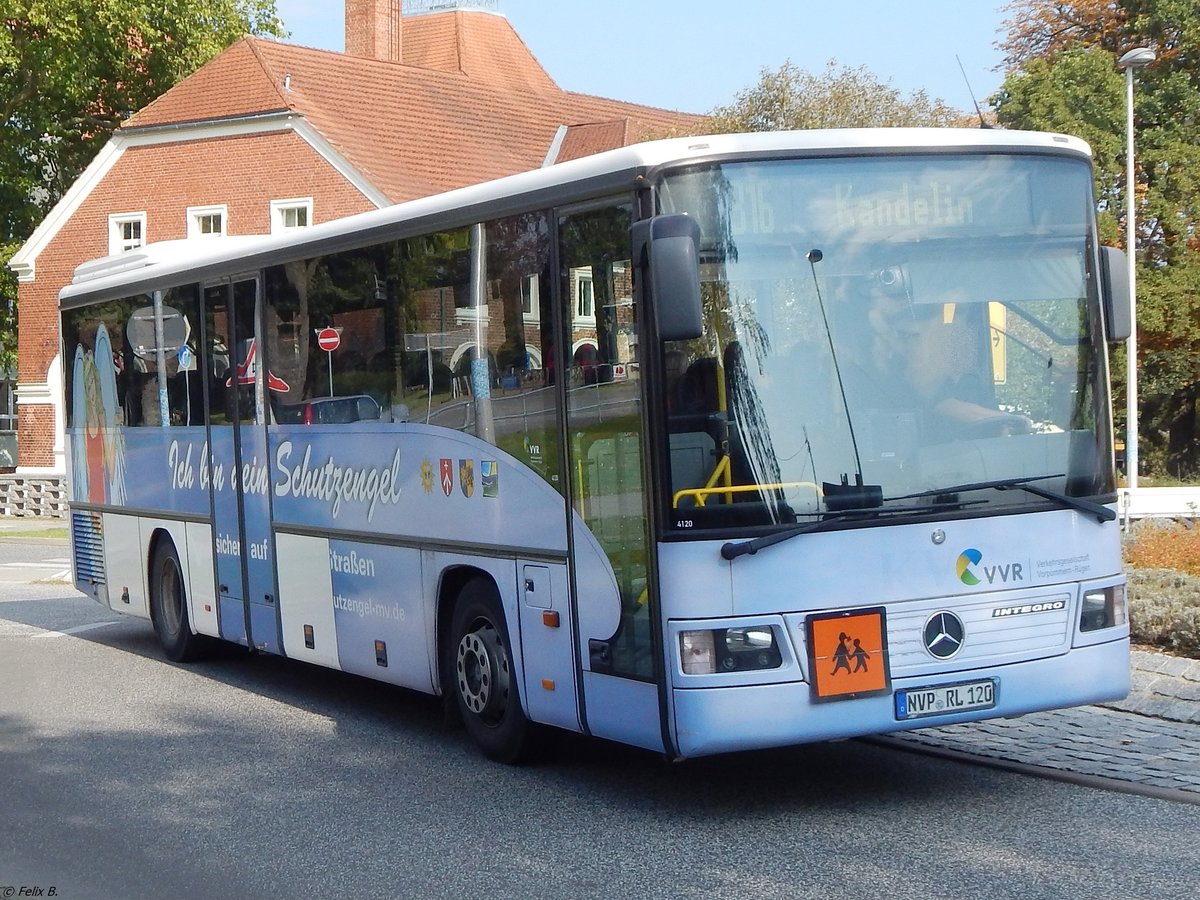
x=481 y=675
x=168 y=606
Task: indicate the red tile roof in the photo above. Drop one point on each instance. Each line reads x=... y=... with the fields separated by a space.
x=476 y=45
x=584 y=140
x=234 y=83
x=477 y=106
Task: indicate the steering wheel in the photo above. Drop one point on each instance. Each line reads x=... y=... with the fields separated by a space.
x=999 y=425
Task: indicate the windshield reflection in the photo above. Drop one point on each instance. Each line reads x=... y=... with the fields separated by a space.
x=853 y=359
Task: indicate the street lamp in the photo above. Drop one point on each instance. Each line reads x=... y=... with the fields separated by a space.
x=1134 y=59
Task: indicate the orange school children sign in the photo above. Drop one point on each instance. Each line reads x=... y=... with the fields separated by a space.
x=847 y=654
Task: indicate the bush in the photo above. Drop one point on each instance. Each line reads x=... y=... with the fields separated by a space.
x=1162 y=562
x=1163 y=545
x=1164 y=610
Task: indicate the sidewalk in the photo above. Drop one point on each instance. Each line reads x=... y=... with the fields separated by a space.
x=1151 y=738
x=32 y=524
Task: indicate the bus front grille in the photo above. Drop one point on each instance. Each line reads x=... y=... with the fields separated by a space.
x=87 y=542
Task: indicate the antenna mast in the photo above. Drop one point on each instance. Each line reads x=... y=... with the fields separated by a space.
x=978 y=111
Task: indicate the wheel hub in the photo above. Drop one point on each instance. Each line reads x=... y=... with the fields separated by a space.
x=483 y=673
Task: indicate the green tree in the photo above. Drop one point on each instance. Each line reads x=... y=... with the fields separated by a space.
x=838 y=97
x=1064 y=78
x=71 y=72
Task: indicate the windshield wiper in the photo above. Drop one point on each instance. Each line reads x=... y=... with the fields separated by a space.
x=734 y=549
x=1102 y=513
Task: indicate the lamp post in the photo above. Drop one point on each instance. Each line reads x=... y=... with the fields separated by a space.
x=1134 y=59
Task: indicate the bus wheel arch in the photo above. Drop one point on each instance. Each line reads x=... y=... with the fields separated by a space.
x=478 y=677
x=168 y=602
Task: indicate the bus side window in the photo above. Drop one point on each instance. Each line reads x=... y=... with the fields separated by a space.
x=329 y=351
x=605 y=420
x=523 y=399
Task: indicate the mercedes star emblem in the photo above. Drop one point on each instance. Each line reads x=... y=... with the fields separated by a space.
x=944 y=634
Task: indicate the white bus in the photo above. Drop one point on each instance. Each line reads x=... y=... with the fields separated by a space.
x=700 y=445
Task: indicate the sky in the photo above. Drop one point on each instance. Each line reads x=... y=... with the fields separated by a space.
x=694 y=55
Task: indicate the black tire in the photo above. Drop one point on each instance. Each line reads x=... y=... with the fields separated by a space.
x=481 y=677
x=168 y=606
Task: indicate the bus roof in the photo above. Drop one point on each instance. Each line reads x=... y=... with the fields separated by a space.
x=159 y=265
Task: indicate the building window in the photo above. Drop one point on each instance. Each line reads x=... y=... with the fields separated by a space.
x=585 y=299
x=530 y=305
x=126 y=231
x=294 y=213
x=207 y=221
x=8 y=405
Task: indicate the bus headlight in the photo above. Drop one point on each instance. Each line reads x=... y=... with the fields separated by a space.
x=1103 y=608
x=697 y=650
x=729 y=650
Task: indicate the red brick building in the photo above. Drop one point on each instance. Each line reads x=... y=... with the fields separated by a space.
x=269 y=136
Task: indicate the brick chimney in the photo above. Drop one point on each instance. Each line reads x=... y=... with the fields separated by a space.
x=373 y=29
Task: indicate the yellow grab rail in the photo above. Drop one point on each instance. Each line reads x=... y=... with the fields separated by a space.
x=701 y=495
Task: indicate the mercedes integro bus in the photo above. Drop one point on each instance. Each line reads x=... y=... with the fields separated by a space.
x=700 y=445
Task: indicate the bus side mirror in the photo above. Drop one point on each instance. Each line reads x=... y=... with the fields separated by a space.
x=1114 y=289
x=669 y=250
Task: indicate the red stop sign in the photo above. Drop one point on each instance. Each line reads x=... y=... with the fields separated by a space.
x=328 y=339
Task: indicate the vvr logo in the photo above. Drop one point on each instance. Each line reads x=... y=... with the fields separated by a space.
x=969 y=569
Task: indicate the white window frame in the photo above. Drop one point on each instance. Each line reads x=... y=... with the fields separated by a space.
x=469 y=315
x=530 y=301
x=196 y=213
x=117 y=241
x=281 y=208
x=583 y=276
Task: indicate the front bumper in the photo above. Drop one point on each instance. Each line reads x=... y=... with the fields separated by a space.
x=712 y=720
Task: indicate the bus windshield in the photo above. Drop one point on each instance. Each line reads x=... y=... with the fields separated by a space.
x=881 y=332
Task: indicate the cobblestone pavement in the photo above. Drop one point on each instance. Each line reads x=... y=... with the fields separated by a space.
x=1152 y=738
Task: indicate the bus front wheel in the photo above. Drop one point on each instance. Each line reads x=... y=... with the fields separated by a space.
x=168 y=606
x=481 y=675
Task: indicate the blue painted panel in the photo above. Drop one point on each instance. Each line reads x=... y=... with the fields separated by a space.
x=377 y=597
x=413 y=481
x=623 y=710
x=258 y=554
x=231 y=617
x=226 y=530
x=264 y=627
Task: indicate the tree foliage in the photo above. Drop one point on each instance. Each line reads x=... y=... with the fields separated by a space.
x=71 y=71
x=1042 y=29
x=1064 y=78
x=838 y=97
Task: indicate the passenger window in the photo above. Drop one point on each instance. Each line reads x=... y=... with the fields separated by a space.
x=604 y=418
x=119 y=373
x=518 y=335
x=161 y=383
x=333 y=330
x=132 y=380
x=420 y=338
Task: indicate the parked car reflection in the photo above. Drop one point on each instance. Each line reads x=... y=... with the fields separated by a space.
x=329 y=411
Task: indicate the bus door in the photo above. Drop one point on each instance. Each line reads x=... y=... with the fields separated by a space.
x=239 y=475
x=604 y=425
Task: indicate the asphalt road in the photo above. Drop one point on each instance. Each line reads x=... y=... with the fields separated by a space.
x=122 y=775
x=30 y=558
